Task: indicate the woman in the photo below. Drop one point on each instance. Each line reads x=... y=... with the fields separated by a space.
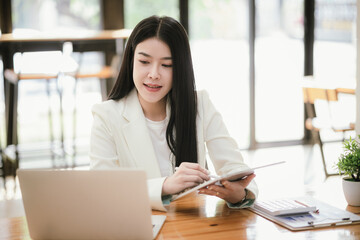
x=155 y=120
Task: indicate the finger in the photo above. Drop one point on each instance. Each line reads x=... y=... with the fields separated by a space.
x=233 y=186
x=217 y=189
x=198 y=173
x=192 y=178
x=189 y=178
x=189 y=185
x=211 y=192
x=190 y=171
x=245 y=182
x=194 y=166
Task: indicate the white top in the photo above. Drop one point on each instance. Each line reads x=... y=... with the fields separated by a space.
x=157 y=131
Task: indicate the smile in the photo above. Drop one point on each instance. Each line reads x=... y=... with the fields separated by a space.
x=152 y=86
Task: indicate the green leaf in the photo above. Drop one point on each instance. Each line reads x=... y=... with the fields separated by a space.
x=349 y=161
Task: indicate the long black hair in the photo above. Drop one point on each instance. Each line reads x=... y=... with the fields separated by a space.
x=181 y=130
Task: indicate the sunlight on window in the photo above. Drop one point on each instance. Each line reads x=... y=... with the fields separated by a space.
x=220 y=51
x=279 y=57
x=335 y=41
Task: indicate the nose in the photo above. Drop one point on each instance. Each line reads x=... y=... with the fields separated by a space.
x=154 y=72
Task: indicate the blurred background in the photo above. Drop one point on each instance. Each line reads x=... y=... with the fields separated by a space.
x=250 y=55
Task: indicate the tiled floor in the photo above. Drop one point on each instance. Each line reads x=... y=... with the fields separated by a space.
x=302 y=172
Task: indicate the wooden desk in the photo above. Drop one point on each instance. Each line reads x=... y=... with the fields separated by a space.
x=82 y=40
x=205 y=217
x=108 y=41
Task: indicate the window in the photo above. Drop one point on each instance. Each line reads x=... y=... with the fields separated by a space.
x=220 y=51
x=279 y=66
x=335 y=41
x=54 y=17
x=335 y=52
x=136 y=10
x=51 y=15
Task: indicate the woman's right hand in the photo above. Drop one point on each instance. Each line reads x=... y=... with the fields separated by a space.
x=186 y=176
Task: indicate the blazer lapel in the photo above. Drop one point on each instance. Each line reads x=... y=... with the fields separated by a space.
x=137 y=137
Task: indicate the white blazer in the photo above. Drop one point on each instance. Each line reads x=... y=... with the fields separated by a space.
x=120 y=139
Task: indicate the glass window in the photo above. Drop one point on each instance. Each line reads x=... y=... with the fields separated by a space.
x=220 y=51
x=335 y=54
x=51 y=15
x=136 y=10
x=55 y=17
x=335 y=41
x=279 y=66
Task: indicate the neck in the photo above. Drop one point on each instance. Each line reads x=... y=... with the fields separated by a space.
x=154 y=111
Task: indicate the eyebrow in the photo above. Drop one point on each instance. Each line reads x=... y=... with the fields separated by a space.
x=147 y=55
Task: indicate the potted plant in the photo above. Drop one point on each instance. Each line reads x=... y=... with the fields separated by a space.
x=349 y=165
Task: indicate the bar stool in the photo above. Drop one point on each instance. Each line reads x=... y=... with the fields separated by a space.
x=102 y=74
x=64 y=150
x=15 y=77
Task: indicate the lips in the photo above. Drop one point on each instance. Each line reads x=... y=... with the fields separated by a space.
x=154 y=86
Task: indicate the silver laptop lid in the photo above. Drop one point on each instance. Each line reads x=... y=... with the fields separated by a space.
x=96 y=204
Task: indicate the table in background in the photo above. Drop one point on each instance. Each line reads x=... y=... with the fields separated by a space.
x=107 y=41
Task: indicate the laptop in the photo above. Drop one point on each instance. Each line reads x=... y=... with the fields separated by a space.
x=83 y=204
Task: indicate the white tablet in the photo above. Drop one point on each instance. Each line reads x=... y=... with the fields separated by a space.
x=232 y=176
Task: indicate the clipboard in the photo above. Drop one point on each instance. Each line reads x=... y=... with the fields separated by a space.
x=327 y=216
x=232 y=176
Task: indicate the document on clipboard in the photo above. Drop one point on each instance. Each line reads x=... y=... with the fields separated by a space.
x=325 y=216
x=232 y=176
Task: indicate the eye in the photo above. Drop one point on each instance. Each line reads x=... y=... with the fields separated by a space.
x=143 y=61
x=167 y=65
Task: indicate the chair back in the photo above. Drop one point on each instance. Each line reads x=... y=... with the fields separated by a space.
x=312 y=94
x=323 y=107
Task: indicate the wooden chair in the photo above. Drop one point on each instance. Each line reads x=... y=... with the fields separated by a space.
x=315 y=123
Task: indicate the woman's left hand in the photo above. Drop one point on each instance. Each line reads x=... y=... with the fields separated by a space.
x=232 y=192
